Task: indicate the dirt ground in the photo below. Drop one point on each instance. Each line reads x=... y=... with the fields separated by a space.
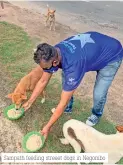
x=33 y=23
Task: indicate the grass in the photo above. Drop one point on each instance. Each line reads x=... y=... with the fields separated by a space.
x=16 y=49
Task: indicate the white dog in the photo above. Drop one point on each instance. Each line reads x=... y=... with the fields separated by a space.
x=82 y=136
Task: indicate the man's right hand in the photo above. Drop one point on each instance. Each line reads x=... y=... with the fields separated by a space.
x=27 y=105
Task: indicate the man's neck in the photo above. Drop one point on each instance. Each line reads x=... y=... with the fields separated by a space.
x=59 y=57
x=59 y=54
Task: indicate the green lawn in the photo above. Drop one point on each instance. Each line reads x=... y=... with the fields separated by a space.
x=16 y=54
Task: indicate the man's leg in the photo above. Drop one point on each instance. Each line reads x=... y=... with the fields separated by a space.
x=104 y=79
x=70 y=104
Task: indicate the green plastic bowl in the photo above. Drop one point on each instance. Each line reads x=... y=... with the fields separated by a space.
x=11 y=107
x=26 y=137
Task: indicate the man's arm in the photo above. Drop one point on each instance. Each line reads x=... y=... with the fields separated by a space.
x=38 y=89
x=65 y=98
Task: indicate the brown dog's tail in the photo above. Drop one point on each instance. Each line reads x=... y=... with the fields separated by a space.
x=72 y=134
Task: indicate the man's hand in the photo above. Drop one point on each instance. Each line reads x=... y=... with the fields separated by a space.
x=65 y=97
x=27 y=105
x=45 y=131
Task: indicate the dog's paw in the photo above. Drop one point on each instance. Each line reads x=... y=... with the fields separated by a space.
x=43 y=100
x=34 y=50
x=64 y=141
x=53 y=110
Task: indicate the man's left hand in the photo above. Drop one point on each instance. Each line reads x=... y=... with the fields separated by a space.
x=45 y=131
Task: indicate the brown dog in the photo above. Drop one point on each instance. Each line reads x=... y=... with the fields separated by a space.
x=51 y=18
x=27 y=83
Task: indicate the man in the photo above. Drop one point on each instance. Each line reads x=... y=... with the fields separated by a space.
x=76 y=55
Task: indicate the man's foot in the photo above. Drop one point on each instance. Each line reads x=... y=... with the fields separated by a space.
x=92 y=120
x=67 y=111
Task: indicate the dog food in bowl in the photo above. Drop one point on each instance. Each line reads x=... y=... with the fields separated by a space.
x=34 y=142
x=13 y=113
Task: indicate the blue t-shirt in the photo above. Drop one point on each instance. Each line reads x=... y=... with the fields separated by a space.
x=90 y=51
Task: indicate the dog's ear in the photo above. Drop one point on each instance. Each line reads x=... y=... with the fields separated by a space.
x=119 y=128
x=9 y=96
x=24 y=97
x=54 y=11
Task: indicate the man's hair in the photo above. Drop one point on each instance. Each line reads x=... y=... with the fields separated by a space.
x=44 y=51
